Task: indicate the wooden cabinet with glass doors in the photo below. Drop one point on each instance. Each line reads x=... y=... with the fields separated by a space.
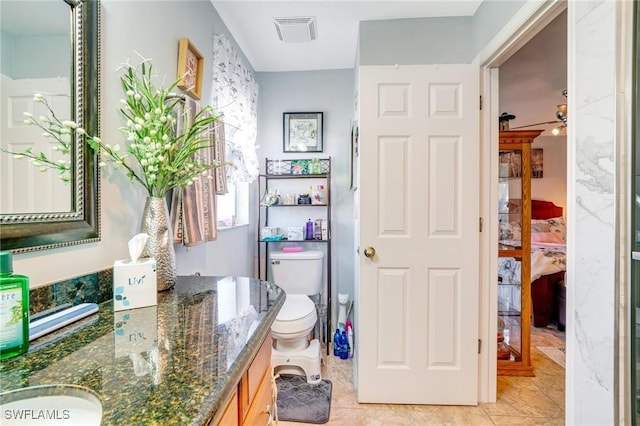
x=514 y=253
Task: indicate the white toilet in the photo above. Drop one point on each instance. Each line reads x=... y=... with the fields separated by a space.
x=299 y=274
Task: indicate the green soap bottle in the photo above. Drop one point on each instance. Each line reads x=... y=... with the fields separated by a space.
x=14 y=309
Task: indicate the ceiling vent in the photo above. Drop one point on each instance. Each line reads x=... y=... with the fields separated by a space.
x=296 y=30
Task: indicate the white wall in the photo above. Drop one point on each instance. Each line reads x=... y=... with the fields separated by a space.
x=553 y=185
x=330 y=92
x=153 y=29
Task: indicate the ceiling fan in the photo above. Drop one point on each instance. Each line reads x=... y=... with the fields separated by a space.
x=561 y=115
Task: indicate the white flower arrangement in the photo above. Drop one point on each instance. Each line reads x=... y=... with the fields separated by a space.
x=156 y=156
x=59 y=132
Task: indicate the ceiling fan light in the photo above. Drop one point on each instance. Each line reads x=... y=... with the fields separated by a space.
x=562 y=108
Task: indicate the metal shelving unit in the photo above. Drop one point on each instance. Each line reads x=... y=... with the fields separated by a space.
x=302 y=169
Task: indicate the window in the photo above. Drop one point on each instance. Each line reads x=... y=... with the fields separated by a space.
x=232 y=209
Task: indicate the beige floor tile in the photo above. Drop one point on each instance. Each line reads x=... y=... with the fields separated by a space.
x=535 y=400
x=513 y=420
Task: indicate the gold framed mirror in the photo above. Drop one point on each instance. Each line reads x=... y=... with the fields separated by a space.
x=29 y=53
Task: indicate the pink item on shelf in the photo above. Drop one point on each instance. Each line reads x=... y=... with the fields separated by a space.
x=291 y=249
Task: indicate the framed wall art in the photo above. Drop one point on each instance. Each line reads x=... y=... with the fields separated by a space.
x=190 y=68
x=354 y=155
x=302 y=132
x=510 y=164
x=537 y=163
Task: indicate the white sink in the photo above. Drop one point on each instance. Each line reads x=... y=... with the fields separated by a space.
x=50 y=404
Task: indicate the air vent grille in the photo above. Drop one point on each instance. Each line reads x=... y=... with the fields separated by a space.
x=296 y=30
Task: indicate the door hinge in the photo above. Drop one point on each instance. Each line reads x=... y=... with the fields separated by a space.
x=480 y=102
x=479 y=345
x=480 y=224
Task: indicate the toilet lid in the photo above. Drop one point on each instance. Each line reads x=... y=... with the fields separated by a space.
x=295 y=306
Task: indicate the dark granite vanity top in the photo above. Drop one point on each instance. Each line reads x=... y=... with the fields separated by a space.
x=170 y=364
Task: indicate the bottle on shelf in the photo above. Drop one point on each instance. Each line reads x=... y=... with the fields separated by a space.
x=314 y=167
x=309 y=233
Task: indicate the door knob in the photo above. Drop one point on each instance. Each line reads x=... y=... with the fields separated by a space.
x=369 y=252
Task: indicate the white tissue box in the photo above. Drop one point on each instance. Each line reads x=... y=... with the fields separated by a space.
x=295 y=233
x=136 y=331
x=134 y=284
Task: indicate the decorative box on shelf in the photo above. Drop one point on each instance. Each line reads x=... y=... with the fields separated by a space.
x=313 y=166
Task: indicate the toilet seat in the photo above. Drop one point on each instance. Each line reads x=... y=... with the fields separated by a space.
x=297 y=313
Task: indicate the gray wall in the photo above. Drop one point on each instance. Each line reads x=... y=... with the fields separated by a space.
x=490 y=18
x=153 y=29
x=332 y=93
x=416 y=41
x=35 y=56
x=448 y=40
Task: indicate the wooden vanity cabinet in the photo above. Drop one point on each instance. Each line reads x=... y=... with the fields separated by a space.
x=230 y=416
x=252 y=402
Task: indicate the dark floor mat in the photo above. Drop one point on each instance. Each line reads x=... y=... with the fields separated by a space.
x=299 y=401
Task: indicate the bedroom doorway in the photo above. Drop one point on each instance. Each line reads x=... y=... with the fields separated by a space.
x=513 y=76
x=532 y=95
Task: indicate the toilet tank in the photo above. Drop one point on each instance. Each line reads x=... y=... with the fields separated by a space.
x=298 y=272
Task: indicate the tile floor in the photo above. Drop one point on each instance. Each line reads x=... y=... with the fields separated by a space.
x=521 y=400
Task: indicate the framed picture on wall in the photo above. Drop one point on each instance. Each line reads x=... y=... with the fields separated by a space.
x=510 y=164
x=354 y=155
x=537 y=163
x=302 y=132
x=190 y=66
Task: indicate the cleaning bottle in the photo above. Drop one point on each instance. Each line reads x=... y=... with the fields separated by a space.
x=14 y=309
x=350 y=337
x=344 y=350
x=336 y=343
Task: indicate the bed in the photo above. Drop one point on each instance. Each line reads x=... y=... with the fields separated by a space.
x=548 y=266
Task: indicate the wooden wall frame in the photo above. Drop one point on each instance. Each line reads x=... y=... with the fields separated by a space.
x=190 y=68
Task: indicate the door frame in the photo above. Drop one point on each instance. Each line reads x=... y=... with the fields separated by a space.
x=525 y=24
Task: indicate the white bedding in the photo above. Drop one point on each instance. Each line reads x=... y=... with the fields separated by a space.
x=548 y=249
x=548 y=256
x=546 y=259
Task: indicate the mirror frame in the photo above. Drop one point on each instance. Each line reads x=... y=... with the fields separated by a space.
x=31 y=232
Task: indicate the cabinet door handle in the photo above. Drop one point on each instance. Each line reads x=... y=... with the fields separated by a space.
x=270 y=420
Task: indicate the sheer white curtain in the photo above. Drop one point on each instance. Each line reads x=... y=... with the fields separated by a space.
x=235 y=94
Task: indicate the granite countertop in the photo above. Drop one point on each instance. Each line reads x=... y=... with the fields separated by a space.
x=170 y=364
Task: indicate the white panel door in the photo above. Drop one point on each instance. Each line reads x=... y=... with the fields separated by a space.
x=417 y=319
x=30 y=190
